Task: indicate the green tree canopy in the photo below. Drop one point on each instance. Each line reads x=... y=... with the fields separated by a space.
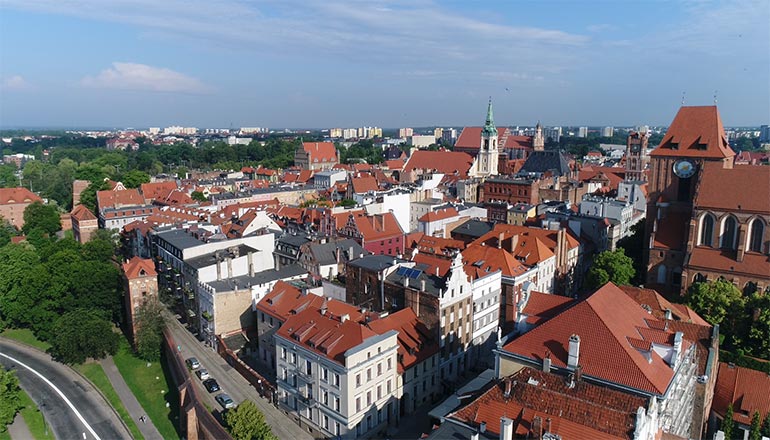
x=766 y=425
x=715 y=300
x=10 y=398
x=246 y=422
x=609 y=266
x=198 y=196
x=149 y=329
x=134 y=178
x=82 y=334
x=42 y=217
x=728 y=423
x=7 y=230
x=755 y=431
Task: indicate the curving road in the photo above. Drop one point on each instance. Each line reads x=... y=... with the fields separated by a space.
x=72 y=407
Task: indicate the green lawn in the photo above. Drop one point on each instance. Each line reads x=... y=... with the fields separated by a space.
x=95 y=373
x=26 y=336
x=153 y=388
x=34 y=419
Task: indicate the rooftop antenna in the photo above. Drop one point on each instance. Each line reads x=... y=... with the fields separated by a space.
x=715 y=97
x=683 y=93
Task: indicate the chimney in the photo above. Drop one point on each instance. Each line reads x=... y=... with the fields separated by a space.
x=500 y=240
x=548 y=425
x=547 y=364
x=483 y=427
x=574 y=351
x=668 y=314
x=475 y=436
x=350 y=253
x=337 y=254
x=677 y=349
x=508 y=387
x=422 y=285
x=344 y=317
x=219 y=270
x=406 y=281
x=506 y=428
x=251 y=264
x=537 y=427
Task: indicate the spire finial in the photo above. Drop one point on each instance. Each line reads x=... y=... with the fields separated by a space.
x=489 y=124
x=715 y=97
x=683 y=93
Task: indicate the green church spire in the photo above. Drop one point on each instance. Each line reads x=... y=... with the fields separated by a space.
x=489 y=126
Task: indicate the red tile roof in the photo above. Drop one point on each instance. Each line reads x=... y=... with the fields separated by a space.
x=446 y=162
x=396 y=164
x=658 y=305
x=695 y=132
x=480 y=261
x=541 y=307
x=436 y=266
x=362 y=185
x=118 y=198
x=321 y=151
x=139 y=267
x=17 y=195
x=746 y=389
x=438 y=246
x=744 y=188
x=470 y=137
x=529 y=245
x=286 y=300
x=377 y=226
x=585 y=411
x=81 y=213
x=605 y=349
x=671 y=229
x=441 y=214
x=157 y=190
x=707 y=258
x=324 y=333
x=415 y=343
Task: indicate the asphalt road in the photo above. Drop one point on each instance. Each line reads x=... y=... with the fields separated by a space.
x=81 y=413
x=230 y=382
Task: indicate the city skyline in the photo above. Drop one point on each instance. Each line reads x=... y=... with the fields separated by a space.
x=389 y=64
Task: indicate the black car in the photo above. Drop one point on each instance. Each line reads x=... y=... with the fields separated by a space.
x=211 y=385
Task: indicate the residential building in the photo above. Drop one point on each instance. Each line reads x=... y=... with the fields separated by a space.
x=509 y=190
x=422 y=141
x=582 y=132
x=326 y=258
x=746 y=390
x=141 y=283
x=435 y=223
x=316 y=156
x=327 y=179
x=287 y=249
x=13 y=202
x=637 y=355
x=337 y=374
x=84 y=223
x=379 y=233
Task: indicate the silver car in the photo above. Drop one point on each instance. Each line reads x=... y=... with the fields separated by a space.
x=225 y=400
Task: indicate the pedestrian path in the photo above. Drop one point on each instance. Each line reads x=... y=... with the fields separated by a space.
x=19 y=429
x=148 y=430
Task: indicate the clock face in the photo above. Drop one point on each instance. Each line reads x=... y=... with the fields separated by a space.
x=635 y=148
x=684 y=168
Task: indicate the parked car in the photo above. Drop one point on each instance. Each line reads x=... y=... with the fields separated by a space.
x=225 y=400
x=211 y=385
x=202 y=373
x=193 y=363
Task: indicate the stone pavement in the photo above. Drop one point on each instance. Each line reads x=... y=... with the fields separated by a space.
x=19 y=429
x=132 y=405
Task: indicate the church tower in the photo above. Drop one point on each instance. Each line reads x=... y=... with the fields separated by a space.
x=538 y=141
x=636 y=155
x=488 y=153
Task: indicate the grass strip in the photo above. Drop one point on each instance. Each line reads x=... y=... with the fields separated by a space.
x=95 y=373
x=34 y=418
x=25 y=336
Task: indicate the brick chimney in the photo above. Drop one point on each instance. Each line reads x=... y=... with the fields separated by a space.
x=506 y=428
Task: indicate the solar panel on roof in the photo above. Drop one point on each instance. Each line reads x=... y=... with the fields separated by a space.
x=402 y=271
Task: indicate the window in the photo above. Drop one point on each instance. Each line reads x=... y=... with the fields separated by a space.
x=325 y=374
x=336 y=428
x=283 y=353
x=336 y=403
x=358 y=403
x=326 y=421
x=262 y=316
x=358 y=379
x=706 y=230
x=755 y=237
x=368 y=397
x=388 y=386
x=379 y=368
x=368 y=374
x=729 y=233
x=379 y=392
x=390 y=364
x=336 y=380
x=308 y=366
x=325 y=395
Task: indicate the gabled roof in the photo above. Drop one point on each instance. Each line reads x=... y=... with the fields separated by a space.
x=607 y=347
x=139 y=267
x=546 y=161
x=441 y=214
x=157 y=190
x=118 y=198
x=695 y=132
x=580 y=412
x=286 y=300
x=438 y=246
x=445 y=162
x=657 y=305
x=529 y=245
x=415 y=343
x=541 y=307
x=482 y=260
x=746 y=389
x=744 y=188
x=320 y=151
x=17 y=195
x=707 y=258
x=377 y=226
x=81 y=213
x=362 y=185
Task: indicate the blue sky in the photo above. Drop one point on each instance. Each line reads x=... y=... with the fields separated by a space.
x=339 y=63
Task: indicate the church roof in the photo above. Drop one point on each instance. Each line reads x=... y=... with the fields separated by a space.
x=545 y=161
x=695 y=132
x=489 y=125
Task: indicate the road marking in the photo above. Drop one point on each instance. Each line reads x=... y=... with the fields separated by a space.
x=59 y=392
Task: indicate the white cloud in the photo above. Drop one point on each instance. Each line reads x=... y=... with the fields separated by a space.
x=135 y=76
x=15 y=83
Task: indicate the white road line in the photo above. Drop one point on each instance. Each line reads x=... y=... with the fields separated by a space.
x=58 y=391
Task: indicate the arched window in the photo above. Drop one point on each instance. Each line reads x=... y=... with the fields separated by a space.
x=661 y=274
x=706 y=230
x=729 y=233
x=699 y=278
x=749 y=288
x=755 y=235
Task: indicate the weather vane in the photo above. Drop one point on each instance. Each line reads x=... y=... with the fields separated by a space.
x=715 y=97
x=683 y=93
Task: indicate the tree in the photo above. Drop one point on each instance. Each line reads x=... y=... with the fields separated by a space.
x=149 y=329
x=727 y=423
x=43 y=217
x=347 y=203
x=88 y=196
x=755 y=432
x=6 y=231
x=633 y=246
x=766 y=425
x=10 y=398
x=757 y=339
x=612 y=266
x=134 y=178
x=715 y=300
x=246 y=422
x=82 y=334
x=199 y=196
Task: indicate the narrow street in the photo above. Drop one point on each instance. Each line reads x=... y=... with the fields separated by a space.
x=231 y=382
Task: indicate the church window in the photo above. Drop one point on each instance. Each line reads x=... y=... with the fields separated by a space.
x=757 y=232
x=729 y=233
x=661 y=274
x=706 y=230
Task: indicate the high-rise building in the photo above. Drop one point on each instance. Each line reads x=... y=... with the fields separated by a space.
x=608 y=131
x=552 y=134
x=764 y=133
x=438 y=132
x=582 y=132
x=449 y=136
x=335 y=132
x=405 y=132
